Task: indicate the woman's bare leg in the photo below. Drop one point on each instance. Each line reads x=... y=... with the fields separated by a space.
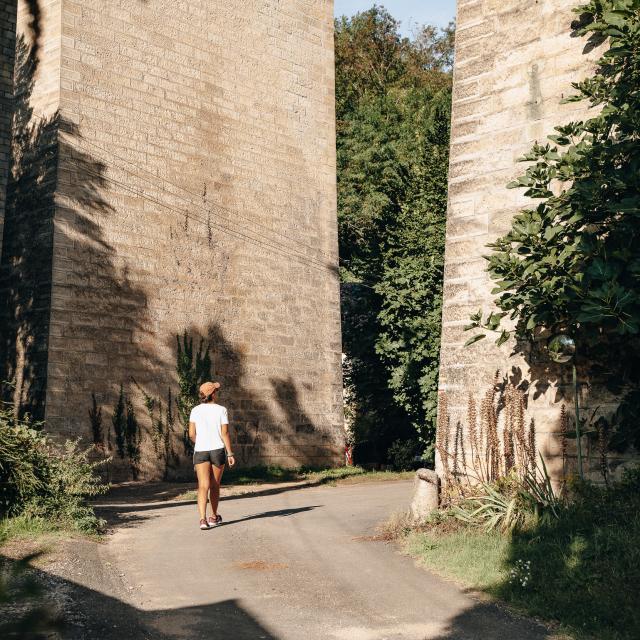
x=203 y=471
x=214 y=490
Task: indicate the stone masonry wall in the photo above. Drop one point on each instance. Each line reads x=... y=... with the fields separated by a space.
x=196 y=192
x=514 y=63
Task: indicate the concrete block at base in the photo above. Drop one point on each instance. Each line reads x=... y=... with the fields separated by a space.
x=426 y=493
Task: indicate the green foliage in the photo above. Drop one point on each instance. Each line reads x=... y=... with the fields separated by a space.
x=95 y=418
x=162 y=426
x=516 y=502
x=584 y=565
x=392 y=99
x=132 y=439
x=119 y=421
x=402 y=454
x=572 y=262
x=39 y=479
x=127 y=430
x=411 y=285
x=193 y=368
x=579 y=569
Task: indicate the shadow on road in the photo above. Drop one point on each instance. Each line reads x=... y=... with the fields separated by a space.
x=491 y=622
x=280 y=513
x=130 y=515
x=95 y=615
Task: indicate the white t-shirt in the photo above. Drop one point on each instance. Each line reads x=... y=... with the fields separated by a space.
x=209 y=419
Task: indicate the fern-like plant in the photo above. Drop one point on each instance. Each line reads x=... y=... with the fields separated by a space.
x=95 y=418
x=132 y=438
x=119 y=421
x=193 y=368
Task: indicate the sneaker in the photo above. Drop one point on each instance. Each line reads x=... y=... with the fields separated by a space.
x=203 y=524
x=214 y=521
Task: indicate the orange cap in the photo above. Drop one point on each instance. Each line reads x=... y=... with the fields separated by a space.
x=208 y=388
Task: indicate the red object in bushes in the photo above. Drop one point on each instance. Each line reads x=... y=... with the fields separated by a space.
x=348 y=455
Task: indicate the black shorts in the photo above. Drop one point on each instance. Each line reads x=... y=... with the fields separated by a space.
x=217 y=457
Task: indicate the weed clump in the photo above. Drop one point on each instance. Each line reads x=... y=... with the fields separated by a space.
x=40 y=479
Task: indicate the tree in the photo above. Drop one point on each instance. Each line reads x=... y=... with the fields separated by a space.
x=392 y=101
x=572 y=262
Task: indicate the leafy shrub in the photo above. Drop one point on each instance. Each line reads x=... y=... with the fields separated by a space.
x=402 y=454
x=584 y=565
x=41 y=479
x=95 y=418
x=119 y=420
x=512 y=503
x=132 y=439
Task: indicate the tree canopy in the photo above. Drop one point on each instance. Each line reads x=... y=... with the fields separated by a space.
x=393 y=111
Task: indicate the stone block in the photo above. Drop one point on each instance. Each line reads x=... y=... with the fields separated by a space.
x=426 y=494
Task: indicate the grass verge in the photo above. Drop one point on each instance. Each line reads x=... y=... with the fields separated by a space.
x=36 y=530
x=314 y=477
x=580 y=571
x=22 y=527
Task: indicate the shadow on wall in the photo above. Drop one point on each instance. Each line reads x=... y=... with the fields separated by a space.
x=27 y=243
x=269 y=422
x=112 y=619
x=55 y=202
x=72 y=313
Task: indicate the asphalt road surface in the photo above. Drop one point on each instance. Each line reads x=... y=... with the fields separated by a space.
x=299 y=564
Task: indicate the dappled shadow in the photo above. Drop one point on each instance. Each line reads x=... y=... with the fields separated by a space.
x=26 y=267
x=132 y=493
x=90 y=614
x=131 y=503
x=129 y=515
x=271 y=424
x=286 y=394
x=585 y=559
x=57 y=296
x=96 y=616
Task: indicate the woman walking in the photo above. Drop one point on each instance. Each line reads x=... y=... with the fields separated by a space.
x=209 y=431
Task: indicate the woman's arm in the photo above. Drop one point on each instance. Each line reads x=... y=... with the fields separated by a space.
x=192 y=432
x=227 y=444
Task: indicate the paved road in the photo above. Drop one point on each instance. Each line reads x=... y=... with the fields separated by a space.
x=297 y=565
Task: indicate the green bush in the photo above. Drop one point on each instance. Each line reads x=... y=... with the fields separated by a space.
x=584 y=565
x=393 y=110
x=39 y=479
x=512 y=503
x=579 y=568
x=402 y=454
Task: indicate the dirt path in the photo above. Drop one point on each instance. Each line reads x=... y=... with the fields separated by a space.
x=298 y=564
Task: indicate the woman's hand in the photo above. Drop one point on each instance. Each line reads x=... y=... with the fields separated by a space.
x=231 y=459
